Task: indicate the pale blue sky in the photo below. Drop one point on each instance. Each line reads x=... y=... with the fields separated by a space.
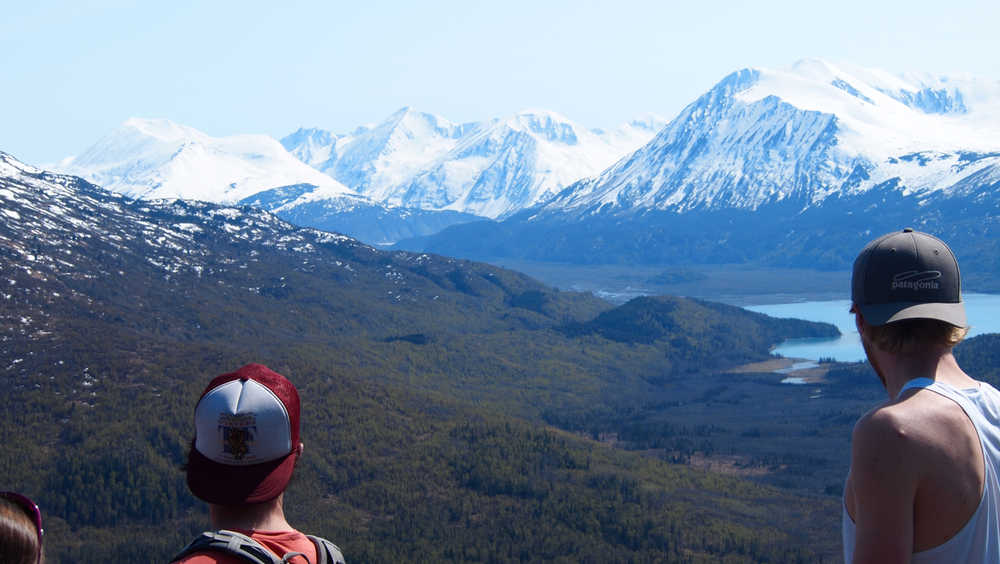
x=72 y=71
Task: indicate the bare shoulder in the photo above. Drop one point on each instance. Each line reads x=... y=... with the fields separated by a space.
x=888 y=422
x=910 y=423
x=916 y=424
x=886 y=464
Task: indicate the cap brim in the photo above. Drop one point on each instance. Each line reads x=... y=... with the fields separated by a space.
x=880 y=314
x=230 y=485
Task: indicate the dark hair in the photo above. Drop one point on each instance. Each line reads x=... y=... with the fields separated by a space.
x=20 y=542
x=912 y=335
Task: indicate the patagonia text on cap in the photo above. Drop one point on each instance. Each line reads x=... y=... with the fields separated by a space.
x=908 y=275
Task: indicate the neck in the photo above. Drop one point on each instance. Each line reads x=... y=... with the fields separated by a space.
x=264 y=516
x=936 y=364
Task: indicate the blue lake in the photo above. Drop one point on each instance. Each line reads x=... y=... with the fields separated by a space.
x=982 y=310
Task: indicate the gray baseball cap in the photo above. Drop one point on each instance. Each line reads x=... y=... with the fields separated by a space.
x=908 y=275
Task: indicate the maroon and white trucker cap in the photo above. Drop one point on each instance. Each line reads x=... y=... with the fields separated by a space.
x=908 y=275
x=246 y=437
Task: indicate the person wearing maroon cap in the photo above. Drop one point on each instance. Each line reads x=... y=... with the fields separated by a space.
x=924 y=483
x=243 y=454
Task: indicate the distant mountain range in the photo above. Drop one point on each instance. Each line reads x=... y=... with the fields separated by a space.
x=808 y=133
x=490 y=169
x=157 y=159
x=797 y=167
x=411 y=175
x=789 y=167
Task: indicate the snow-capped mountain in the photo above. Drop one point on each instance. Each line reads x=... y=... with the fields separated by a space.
x=510 y=164
x=156 y=158
x=311 y=145
x=799 y=166
x=363 y=182
x=374 y=159
x=809 y=132
x=68 y=247
x=55 y=222
x=490 y=169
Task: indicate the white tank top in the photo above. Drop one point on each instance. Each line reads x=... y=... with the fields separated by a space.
x=979 y=539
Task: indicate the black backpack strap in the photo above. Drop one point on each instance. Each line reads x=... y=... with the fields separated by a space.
x=326 y=551
x=233 y=543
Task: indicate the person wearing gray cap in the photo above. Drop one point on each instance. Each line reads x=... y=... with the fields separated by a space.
x=923 y=484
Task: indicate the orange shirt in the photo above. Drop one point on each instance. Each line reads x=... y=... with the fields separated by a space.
x=278 y=542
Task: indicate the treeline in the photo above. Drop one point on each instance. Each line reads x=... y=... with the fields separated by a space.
x=696 y=335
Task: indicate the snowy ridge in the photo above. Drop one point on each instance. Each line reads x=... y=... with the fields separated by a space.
x=374 y=159
x=73 y=250
x=509 y=164
x=57 y=225
x=158 y=159
x=801 y=134
x=490 y=169
x=11 y=167
x=883 y=115
x=155 y=158
x=412 y=159
x=806 y=133
x=311 y=145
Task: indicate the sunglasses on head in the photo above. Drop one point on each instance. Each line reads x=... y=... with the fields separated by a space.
x=31 y=509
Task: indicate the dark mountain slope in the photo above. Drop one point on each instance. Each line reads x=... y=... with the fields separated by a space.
x=790 y=233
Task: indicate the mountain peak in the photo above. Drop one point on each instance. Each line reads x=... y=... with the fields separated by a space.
x=310 y=132
x=803 y=133
x=541 y=114
x=649 y=121
x=411 y=120
x=401 y=112
x=817 y=69
x=157 y=158
x=10 y=166
x=489 y=168
x=552 y=126
x=161 y=129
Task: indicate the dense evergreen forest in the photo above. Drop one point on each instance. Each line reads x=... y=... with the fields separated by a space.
x=407 y=467
x=430 y=470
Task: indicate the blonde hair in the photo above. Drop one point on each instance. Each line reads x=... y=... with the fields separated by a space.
x=912 y=335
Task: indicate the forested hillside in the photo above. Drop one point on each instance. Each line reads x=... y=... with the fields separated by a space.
x=442 y=398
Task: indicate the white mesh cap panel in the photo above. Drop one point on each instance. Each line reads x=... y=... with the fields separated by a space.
x=240 y=423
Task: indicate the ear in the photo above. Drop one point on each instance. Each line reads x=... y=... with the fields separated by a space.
x=859 y=319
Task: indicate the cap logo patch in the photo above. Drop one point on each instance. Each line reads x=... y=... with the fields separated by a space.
x=916 y=280
x=239 y=431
